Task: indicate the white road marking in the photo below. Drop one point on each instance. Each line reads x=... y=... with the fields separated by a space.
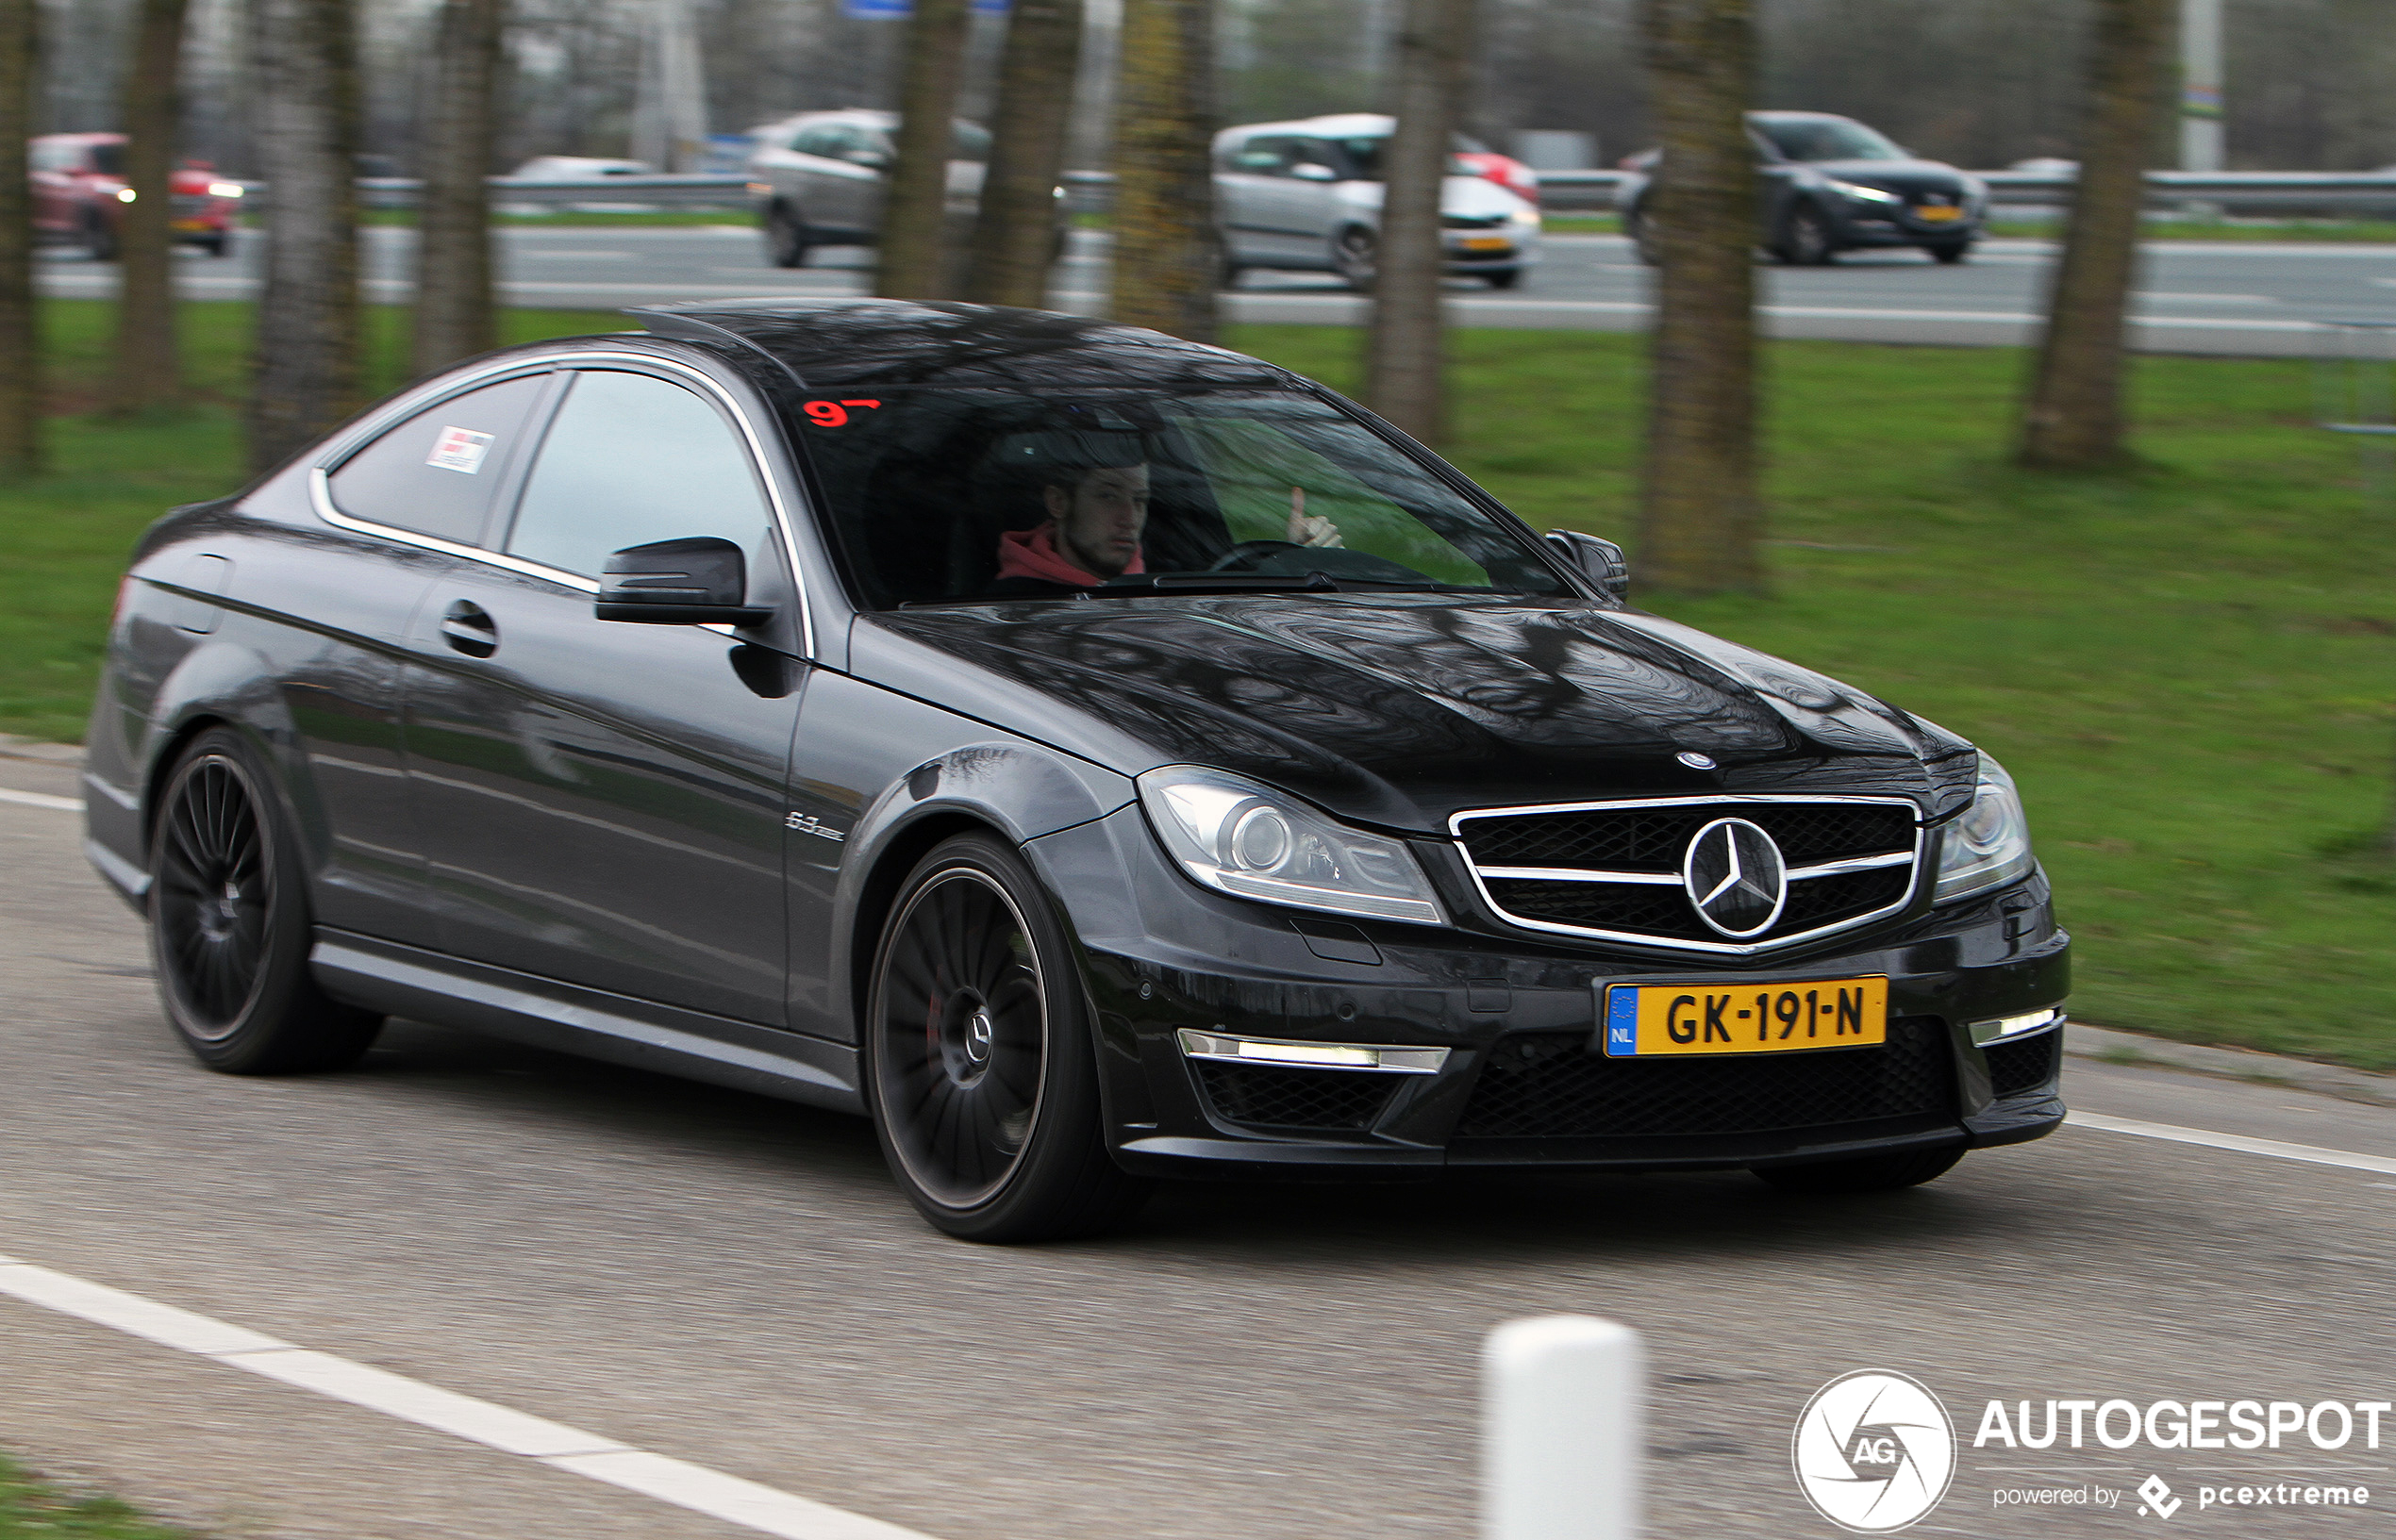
x=732 y=1499
x=2240 y=1142
x=39 y=799
x=2150 y=296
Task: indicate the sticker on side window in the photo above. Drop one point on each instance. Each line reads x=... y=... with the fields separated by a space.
x=460 y=449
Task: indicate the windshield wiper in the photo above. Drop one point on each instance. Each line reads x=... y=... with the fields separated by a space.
x=1220 y=583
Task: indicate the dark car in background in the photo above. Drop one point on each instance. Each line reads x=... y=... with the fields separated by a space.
x=1830 y=184
x=80 y=196
x=1092 y=756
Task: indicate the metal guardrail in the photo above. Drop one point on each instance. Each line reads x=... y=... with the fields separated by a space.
x=1562 y=192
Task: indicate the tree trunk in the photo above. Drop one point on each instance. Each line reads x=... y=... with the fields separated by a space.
x=1168 y=255
x=2074 y=420
x=1404 y=366
x=147 y=366
x=455 y=318
x=914 y=247
x=1015 y=232
x=305 y=374
x=1700 y=516
x=20 y=336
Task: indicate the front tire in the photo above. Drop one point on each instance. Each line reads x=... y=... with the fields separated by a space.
x=1641 y=229
x=980 y=1065
x=1355 y=257
x=229 y=924
x=786 y=236
x=1865 y=1174
x=1806 y=240
x=1949 y=251
x=1502 y=277
x=99 y=238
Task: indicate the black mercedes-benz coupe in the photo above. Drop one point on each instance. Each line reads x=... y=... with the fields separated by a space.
x=1093 y=756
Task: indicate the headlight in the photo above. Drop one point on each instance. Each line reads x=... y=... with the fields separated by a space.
x=1524 y=216
x=1863 y=194
x=224 y=190
x=1989 y=845
x=1240 y=839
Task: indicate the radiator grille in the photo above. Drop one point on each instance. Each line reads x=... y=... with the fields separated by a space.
x=1652 y=841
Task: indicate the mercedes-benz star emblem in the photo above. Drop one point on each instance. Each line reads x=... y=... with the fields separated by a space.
x=1736 y=878
x=1695 y=760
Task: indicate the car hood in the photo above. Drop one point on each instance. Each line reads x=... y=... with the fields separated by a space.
x=1472 y=197
x=1398 y=711
x=1894 y=175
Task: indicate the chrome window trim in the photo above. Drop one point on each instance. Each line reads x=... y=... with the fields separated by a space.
x=1728 y=948
x=319 y=480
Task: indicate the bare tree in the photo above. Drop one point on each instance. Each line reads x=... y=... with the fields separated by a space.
x=1404 y=359
x=148 y=367
x=1168 y=255
x=1701 y=516
x=455 y=318
x=2073 y=418
x=913 y=263
x=1015 y=231
x=20 y=336
x=304 y=378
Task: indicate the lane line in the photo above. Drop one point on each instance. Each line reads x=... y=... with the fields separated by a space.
x=2277 y=1150
x=40 y=798
x=560 y=1447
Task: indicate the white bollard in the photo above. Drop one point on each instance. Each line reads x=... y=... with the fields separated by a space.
x=1563 y=1429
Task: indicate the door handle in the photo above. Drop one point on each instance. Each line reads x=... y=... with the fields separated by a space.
x=469 y=629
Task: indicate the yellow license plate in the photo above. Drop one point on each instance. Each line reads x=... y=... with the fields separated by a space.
x=187 y=225
x=1938 y=214
x=1486 y=242
x=1647 y=1020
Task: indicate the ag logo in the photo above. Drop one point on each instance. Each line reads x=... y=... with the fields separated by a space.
x=1874 y=1452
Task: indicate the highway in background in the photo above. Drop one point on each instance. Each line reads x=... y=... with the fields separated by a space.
x=2220 y=297
x=734 y=1281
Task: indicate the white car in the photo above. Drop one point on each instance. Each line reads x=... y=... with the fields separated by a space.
x=818 y=178
x=1307 y=195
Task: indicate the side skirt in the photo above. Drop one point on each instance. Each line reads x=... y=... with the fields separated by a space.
x=428 y=986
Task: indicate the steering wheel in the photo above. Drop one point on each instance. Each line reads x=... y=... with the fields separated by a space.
x=1250 y=555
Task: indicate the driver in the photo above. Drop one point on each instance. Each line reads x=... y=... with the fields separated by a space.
x=1095 y=517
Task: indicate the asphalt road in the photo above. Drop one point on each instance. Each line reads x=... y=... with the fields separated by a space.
x=2194 y=297
x=734 y=1281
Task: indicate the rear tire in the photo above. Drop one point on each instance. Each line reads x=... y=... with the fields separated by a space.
x=1865 y=1174
x=980 y=1066
x=229 y=924
x=1949 y=251
x=786 y=236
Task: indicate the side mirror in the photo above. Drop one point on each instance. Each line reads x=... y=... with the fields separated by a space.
x=704 y=580
x=1310 y=170
x=1601 y=561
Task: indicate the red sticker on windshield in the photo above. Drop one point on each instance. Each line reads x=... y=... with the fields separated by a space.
x=835 y=414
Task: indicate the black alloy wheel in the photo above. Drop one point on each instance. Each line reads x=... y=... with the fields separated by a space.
x=1356 y=256
x=1865 y=1174
x=229 y=926
x=980 y=1065
x=1806 y=240
x=1949 y=251
x=786 y=236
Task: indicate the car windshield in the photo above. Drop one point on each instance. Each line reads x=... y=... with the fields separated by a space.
x=1364 y=154
x=108 y=159
x=1826 y=139
x=939 y=496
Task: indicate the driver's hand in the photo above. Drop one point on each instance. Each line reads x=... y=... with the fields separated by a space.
x=1310 y=529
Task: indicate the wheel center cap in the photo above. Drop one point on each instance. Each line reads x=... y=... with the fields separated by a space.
x=978 y=1031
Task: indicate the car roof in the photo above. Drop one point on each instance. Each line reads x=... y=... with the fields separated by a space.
x=863 y=343
x=1330 y=125
x=78 y=139
x=1798 y=117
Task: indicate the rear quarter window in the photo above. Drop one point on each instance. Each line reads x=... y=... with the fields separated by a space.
x=437 y=473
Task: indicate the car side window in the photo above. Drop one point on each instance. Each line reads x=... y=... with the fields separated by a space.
x=437 y=473
x=1272 y=157
x=822 y=140
x=629 y=460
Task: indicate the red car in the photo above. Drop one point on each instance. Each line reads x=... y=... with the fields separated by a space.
x=79 y=195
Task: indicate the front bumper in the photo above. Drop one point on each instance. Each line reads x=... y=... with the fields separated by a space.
x=1499 y=248
x=1875 y=225
x=1520 y=1084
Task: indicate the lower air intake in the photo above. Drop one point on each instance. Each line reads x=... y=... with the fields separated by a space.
x=1320 y=1101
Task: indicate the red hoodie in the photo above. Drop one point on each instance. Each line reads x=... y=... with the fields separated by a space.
x=1032 y=553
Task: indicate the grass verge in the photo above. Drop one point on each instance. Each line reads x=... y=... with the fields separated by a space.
x=31 y=1509
x=2190 y=665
